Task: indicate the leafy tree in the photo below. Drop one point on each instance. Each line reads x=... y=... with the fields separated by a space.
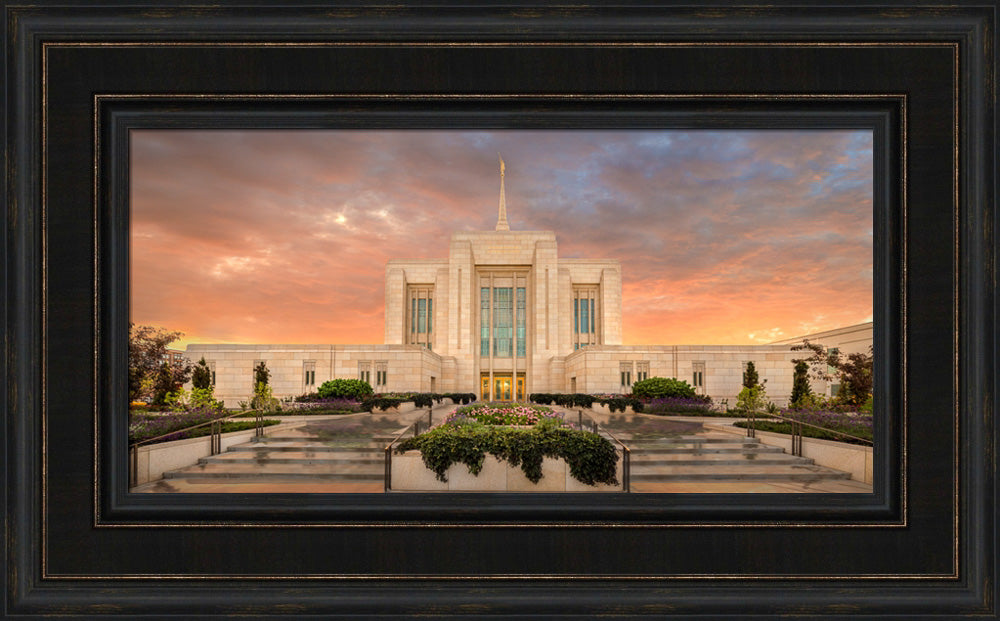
x=800 y=383
x=169 y=379
x=201 y=376
x=750 y=378
x=147 y=350
x=853 y=371
x=752 y=399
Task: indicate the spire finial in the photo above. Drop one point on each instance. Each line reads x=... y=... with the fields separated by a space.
x=502 y=220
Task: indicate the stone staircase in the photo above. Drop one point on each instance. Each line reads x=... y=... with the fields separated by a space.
x=720 y=456
x=291 y=456
x=296 y=460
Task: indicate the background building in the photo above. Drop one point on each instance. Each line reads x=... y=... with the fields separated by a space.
x=503 y=316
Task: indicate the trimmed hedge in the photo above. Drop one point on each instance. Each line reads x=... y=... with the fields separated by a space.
x=345 y=389
x=565 y=400
x=662 y=387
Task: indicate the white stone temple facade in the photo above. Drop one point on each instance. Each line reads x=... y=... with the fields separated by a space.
x=503 y=316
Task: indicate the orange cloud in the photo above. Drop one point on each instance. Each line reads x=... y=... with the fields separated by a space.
x=282 y=236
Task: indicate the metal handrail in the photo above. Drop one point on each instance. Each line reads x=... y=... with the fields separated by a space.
x=388 y=452
x=797 y=430
x=215 y=442
x=626 y=451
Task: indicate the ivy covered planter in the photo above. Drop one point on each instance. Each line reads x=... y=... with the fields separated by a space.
x=468 y=455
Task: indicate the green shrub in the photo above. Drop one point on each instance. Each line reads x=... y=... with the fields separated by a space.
x=423 y=400
x=380 y=403
x=662 y=387
x=591 y=458
x=357 y=390
x=460 y=397
x=618 y=404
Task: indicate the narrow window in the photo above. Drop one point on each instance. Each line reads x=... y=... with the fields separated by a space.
x=484 y=322
x=521 y=325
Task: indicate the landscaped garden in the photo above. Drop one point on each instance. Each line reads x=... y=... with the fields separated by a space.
x=520 y=434
x=147 y=425
x=854 y=424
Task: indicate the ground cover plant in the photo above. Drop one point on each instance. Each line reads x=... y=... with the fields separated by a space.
x=313 y=404
x=148 y=425
x=685 y=406
x=504 y=414
x=591 y=458
x=859 y=425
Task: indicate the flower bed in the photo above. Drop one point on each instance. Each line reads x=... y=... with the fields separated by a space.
x=143 y=426
x=504 y=414
x=685 y=406
x=859 y=425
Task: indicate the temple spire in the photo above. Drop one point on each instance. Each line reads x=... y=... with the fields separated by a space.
x=502 y=220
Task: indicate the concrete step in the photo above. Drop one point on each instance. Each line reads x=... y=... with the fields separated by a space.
x=295 y=457
x=302 y=445
x=693 y=440
x=282 y=471
x=736 y=449
x=743 y=472
x=718 y=459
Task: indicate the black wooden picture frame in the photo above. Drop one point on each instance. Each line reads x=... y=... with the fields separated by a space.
x=79 y=77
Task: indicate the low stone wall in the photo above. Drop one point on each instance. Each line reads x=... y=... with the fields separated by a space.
x=853 y=458
x=409 y=474
x=155 y=459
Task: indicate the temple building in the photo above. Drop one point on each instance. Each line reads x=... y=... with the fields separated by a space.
x=503 y=316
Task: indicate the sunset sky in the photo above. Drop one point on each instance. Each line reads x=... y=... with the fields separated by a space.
x=735 y=237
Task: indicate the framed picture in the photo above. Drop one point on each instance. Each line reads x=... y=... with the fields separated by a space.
x=89 y=86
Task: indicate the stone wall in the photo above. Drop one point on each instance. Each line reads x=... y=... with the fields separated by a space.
x=408 y=367
x=597 y=369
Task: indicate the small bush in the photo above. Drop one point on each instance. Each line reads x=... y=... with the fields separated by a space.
x=662 y=387
x=618 y=403
x=357 y=390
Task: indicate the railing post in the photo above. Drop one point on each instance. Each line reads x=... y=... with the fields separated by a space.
x=626 y=469
x=133 y=465
x=388 y=467
x=216 y=441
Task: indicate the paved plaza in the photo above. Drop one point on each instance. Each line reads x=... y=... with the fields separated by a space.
x=345 y=454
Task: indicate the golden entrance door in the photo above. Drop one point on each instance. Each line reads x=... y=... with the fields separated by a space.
x=501 y=387
x=484 y=387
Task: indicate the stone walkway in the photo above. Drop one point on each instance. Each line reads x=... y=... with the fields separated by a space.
x=333 y=454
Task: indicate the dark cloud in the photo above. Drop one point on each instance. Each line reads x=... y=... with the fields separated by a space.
x=281 y=236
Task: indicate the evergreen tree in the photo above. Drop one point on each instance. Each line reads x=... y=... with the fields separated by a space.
x=201 y=376
x=260 y=374
x=800 y=383
x=750 y=378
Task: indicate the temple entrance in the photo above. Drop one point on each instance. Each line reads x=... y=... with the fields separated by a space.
x=503 y=388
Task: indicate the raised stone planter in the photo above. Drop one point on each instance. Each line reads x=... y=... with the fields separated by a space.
x=409 y=474
x=603 y=409
x=853 y=458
